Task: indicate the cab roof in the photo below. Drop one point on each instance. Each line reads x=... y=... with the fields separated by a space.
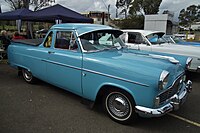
x=144 y=32
x=82 y=28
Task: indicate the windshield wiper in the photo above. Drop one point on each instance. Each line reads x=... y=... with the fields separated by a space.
x=114 y=47
x=125 y=46
x=108 y=48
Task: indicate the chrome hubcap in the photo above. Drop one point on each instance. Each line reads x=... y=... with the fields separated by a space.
x=118 y=105
x=27 y=75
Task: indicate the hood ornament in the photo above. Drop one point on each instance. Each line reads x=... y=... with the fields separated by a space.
x=171 y=59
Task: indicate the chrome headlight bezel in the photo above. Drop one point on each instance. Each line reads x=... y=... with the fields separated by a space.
x=163 y=81
x=188 y=62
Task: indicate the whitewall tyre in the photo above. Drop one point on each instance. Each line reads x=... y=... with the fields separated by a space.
x=120 y=106
x=28 y=77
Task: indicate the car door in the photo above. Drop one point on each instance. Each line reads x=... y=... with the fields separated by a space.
x=41 y=55
x=65 y=61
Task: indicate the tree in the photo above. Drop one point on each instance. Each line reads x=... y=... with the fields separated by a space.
x=144 y=7
x=124 y=5
x=15 y=4
x=132 y=22
x=189 y=15
x=18 y=4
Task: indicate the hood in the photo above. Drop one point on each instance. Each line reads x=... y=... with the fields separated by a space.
x=173 y=58
x=186 y=50
x=132 y=65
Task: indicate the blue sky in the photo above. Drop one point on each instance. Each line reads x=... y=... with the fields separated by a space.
x=101 y=5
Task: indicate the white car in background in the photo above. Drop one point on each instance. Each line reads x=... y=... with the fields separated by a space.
x=153 y=41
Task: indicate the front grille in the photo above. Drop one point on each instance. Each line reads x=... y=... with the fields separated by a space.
x=171 y=91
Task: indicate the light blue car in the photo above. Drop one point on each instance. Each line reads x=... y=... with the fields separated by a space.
x=179 y=40
x=92 y=62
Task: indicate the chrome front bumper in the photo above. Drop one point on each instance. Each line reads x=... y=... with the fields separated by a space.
x=174 y=104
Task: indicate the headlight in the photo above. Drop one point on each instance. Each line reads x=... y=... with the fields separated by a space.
x=163 y=81
x=188 y=62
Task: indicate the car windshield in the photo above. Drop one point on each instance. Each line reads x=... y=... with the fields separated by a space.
x=178 y=39
x=101 y=40
x=155 y=38
x=168 y=39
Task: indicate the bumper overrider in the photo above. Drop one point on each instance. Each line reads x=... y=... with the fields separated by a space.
x=175 y=102
x=198 y=69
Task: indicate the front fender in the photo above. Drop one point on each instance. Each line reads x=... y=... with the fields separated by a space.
x=142 y=95
x=106 y=85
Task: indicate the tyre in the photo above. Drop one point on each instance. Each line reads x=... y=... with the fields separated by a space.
x=28 y=77
x=120 y=106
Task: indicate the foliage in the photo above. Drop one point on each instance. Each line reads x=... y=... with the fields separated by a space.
x=137 y=10
x=133 y=22
x=124 y=5
x=144 y=7
x=18 y=4
x=189 y=15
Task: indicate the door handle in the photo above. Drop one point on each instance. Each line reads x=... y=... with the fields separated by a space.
x=51 y=52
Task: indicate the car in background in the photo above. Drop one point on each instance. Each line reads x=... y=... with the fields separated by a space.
x=179 y=40
x=153 y=41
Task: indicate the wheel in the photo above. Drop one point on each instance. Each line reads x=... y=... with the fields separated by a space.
x=1 y=57
x=120 y=106
x=28 y=77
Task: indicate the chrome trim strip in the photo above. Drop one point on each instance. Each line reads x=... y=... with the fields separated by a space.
x=107 y=75
x=95 y=72
x=79 y=41
x=61 y=64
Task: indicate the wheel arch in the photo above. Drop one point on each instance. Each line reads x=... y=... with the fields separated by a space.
x=108 y=87
x=20 y=67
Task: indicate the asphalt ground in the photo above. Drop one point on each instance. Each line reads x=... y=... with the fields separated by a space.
x=43 y=108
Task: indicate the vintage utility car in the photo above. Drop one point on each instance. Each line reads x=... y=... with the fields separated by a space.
x=93 y=62
x=153 y=41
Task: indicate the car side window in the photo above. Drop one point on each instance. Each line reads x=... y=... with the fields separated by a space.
x=135 y=38
x=48 y=40
x=131 y=38
x=66 y=40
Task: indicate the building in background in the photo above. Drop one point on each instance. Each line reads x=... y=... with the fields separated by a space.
x=161 y=22
x=98 y=17
x=195 y=26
